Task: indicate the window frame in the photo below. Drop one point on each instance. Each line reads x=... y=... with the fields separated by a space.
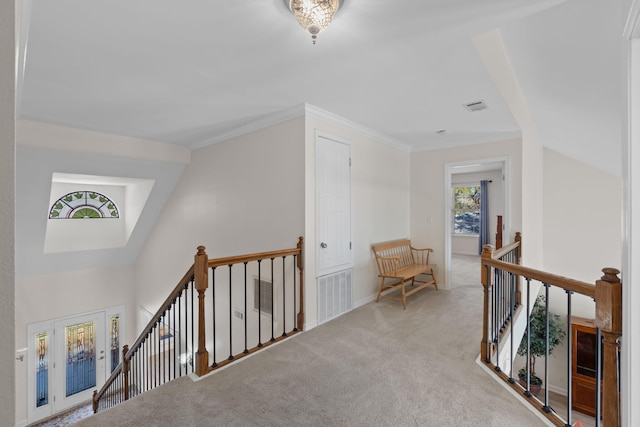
x=465 y=210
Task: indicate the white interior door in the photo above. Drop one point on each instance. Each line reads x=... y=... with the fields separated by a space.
x=333 y=205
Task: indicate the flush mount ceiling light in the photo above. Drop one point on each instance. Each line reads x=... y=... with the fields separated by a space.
x=314 y=15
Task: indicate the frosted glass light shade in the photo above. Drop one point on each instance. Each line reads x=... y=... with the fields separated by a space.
x=314 y=15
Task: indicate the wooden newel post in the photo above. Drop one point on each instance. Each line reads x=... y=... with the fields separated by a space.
x=609 y=320
x=300 y=319
x=125 y=371
x=485 y=347
x=201 y=277
x=518 y=239
x=95 y=402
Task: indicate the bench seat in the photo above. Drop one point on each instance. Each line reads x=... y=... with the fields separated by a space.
x=399 y=263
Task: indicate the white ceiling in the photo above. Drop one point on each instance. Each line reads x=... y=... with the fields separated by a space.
x=184 y=72
x=189 y=72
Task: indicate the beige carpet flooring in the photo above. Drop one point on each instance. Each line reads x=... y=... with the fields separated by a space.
x=378 y=365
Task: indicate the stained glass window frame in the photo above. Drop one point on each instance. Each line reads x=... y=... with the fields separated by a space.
x=84 y=204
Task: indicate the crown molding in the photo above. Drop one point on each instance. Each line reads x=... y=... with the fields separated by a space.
x=324 y=115
x=458 y=141
x=297 y=111
x=270 y=119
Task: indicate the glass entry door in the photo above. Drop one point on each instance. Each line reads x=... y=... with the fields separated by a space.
x=80 y=358
x=68 y=359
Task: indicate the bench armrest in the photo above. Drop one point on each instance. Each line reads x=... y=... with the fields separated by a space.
x=422 y=255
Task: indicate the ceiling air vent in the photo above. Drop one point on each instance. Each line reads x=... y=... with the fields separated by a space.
x=476 y=106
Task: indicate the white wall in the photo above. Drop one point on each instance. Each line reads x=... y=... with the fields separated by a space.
x=239 y=196
x=428 y=192
x=582 y=218
x=493 y=52
x=630 y=102
x=7 y=207
x=461 y=244
x=66 y=294
x=582 y=234
x=380 y=200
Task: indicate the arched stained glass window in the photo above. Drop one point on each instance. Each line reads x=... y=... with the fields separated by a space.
x=83 y=204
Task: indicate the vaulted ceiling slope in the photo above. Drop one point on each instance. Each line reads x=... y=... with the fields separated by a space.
x=568 y=62
x=45 y=150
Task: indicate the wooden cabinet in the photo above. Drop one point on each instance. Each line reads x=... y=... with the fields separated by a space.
x=584 y=363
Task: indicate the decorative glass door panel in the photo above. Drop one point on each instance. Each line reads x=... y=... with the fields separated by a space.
x=80 y=357
x=69 y=358
x=114 y=323
x=42 y=369
x=40 y=359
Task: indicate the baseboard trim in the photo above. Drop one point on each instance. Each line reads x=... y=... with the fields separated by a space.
x=364 y=301
x=310 y=325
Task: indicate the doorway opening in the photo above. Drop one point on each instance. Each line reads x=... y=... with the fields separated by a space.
x=461 y=230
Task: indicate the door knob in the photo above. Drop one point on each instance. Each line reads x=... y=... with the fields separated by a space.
x=323 y=245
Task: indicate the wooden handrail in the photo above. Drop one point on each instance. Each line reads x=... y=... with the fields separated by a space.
x=188 y=276
x=499 y=253
x=573 y=285
x=198 y=275
x=128 y=352
x=98 y=394
x=607 y=293
x=218 y=262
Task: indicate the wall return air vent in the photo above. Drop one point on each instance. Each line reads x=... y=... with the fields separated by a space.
x=476 y=106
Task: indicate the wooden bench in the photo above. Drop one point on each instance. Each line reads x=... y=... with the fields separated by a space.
x=398 y=263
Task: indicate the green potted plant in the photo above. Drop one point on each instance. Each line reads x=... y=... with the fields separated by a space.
x=537 y=348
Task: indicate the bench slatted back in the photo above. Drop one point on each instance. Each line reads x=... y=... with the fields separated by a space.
x=397 y=248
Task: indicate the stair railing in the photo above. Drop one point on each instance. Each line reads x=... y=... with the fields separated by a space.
x=174 y=342
x=162 y=352
x=607 y=294
x=503 y=306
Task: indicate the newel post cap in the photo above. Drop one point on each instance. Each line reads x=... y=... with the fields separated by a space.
x=609 y=302
x=610 y=275
x=487 y=251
